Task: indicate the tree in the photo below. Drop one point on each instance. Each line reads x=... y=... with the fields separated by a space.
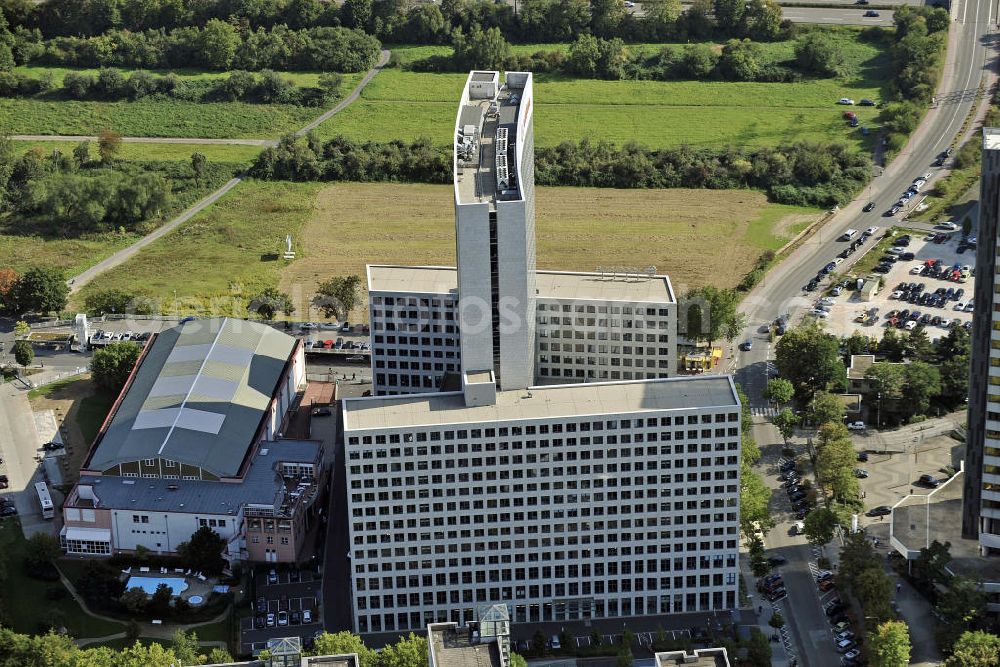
x=779 y=390
x=356 y=13
x=135 y=600
x=661 y=18
x=217 y=44
x=21 y=329
x=931 y=563
x=716 y=312
x=785 y=421
x=343 y=643
x=198 y=164
x=203 y=552
x=132 y=629
x=606 y=16
x=410 y=651
x=517 y=660
x=110 y=366
x=917 y=345
x=825 y=408
x=111 y=301
x=270 y=301
x=218 y=656
x=729 y=14
x=754 y=498
x=886 y=378
x=108 y=145
x=762 y=20
x=810 y=359
x=819 y=53
x=890 y=645
x=698 y=61
x=538 y=642
x=24 y=354
x=820 y=525
x=873 y=588
x=624 y=658
x=740 y=60
x=159 y=602
x=8 y=282
x=338 y=296
x=42 y=549
x=966 y=226
x=41 y=290
x=975 y=648
x=922 y=382
x=186 y=647
x=777 y=620
x=758 y=557
x=481 y=49
x=961 y=607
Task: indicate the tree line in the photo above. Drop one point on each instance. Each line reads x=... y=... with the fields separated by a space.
x=402 y=22
x=217 y=45
x=805 y=173
x=267 y=87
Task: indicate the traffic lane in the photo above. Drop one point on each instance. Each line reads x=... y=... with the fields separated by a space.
x=973 y=35
x=826 y=15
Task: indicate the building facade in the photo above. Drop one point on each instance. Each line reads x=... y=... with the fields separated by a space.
x=981 y=494
x=588 y=327
x=528 y=445
x=195 y=440
x=568 y=501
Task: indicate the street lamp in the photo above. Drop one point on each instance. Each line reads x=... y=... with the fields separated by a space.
x=878 y=412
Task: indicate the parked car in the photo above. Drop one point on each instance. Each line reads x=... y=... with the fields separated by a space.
x=856 y=426
x=295 y=618
x=272 y=577
x=861 y=473
x=321 y=412
x=827 y=585
x=869 y=207
x=258 y=622
x=271 y=620
x=845 y=645
x=307 y=616
x=929 y=480
x=747 y=345
x=881 y=510
x=845 y=100
x=824 y=575
x=775 y=561
x=865 y=102
x=282 y=618
x=8 y=510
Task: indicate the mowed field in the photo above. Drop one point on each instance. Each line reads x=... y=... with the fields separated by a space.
x=154 y=117
x=698 y=237
x=402 y=104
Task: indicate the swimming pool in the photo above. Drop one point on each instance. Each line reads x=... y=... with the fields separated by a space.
x=149 y=584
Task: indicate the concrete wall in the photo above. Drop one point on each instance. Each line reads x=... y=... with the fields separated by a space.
x=164 y=530
x=472 y=236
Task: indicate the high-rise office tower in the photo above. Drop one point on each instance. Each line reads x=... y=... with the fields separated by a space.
x=981 y=505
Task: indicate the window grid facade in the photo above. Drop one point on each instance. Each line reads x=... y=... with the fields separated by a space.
x=414 y=342
x=604 y=341
x=588 y=517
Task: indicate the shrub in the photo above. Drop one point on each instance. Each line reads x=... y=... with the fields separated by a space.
x=78 y=86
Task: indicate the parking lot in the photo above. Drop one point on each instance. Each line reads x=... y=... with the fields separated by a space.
x=282 y=599
x=848 y=310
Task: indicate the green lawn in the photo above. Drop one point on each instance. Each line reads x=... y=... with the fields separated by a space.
x=238 y=155
x=230 y=249
x=93 y=410
x=24 y=598
x=404 y=104
x=159 y=117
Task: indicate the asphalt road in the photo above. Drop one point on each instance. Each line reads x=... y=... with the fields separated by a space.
x=854 y=16
x=972 y=39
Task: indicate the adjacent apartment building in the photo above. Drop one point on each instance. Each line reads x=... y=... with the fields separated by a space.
x=981 y=497
x=475 y=483
x=195 y=439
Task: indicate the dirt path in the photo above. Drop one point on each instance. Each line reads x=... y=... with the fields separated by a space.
x=81 y=279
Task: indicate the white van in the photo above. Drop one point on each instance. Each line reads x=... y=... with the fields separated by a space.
x=554 y=643
x=848 y=235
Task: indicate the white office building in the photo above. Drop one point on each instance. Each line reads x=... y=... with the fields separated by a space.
x=536 y=451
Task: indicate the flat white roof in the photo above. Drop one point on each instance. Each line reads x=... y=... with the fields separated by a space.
x=548 y=402
x=550 y=284
x=991 y=138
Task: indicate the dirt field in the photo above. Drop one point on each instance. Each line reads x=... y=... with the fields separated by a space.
x=694 y=236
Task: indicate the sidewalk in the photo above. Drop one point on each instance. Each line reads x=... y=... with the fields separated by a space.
x=763 y=611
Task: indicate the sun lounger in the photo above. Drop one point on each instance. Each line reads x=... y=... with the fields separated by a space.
x=144 y=569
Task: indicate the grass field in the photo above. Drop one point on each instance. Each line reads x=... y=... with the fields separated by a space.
x=159 y=117
x=696 y=236
x=230 y=249
x=402 y=104
x=238 y=155
x=26 y=603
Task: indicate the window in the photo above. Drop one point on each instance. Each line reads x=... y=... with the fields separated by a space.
x=147 y=462
x=170 y=464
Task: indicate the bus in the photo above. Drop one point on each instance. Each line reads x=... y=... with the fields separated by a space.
x=45 y=500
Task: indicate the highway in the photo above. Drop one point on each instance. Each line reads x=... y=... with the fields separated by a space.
x=972 y=40
x=970 y=56
x=849 y=14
